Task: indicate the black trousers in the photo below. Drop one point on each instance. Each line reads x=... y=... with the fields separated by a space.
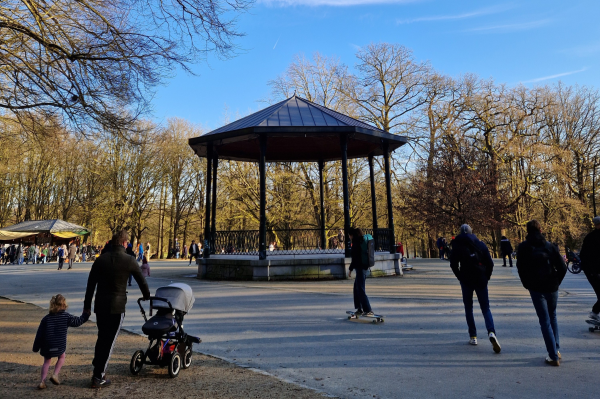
x=594 y=279
x=108 y=330
x=361 y=301
x=509 y=259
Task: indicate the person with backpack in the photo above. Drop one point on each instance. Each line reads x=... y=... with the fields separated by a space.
x=590 y=263
x=361 y=259
x=472 y=265
x=542 y=269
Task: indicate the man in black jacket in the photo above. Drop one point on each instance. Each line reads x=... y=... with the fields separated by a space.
x=194 y=251
x=542 y=269
x=472 y=265
x=506 y=250
x=109 y=274
x=590 y=263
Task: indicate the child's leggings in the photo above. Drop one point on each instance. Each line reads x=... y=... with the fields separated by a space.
x=59 y=363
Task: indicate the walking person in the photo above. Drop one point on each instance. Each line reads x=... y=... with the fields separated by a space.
x=108 y=277
x=473 y=266
x=542 y=269
x=194 y=251
x=590 y=263
x=130 y=252
x=140 y=252
x=506 y=250
x=51 y=337
x=61 y=257
x=72 y=254
x=145 y=268
x=361 y=301
x=20 y=254
x=148 y=253
x=30 y=254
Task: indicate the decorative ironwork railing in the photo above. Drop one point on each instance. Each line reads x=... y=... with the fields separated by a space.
x=290 y=241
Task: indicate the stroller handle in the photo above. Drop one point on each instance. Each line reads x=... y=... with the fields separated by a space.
x=152 y=298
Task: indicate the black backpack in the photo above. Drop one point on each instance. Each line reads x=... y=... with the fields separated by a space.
x=542 y=263
x=471 y=264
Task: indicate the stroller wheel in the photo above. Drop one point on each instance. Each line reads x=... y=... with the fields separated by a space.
x=137 y=361
x=187 y=358
x=174 y=365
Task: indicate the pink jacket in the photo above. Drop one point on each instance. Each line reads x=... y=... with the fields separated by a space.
x=145 y=269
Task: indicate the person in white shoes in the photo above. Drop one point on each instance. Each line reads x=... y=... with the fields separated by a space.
x=472 y=265
x=590 y=263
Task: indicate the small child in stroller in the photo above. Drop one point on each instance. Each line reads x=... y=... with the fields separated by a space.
x=169 y=344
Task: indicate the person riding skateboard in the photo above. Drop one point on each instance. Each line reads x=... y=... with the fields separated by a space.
x=361 y=301
x=590 y=263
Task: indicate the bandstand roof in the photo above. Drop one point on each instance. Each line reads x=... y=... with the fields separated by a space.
x=297 y=130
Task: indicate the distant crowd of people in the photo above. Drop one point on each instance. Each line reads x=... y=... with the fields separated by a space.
x=18 y=254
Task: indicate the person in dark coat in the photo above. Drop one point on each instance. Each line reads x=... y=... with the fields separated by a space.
x=195 y=251
x=51 y=337
x=506 y=249
x=130 y=252
x=473 y=266
x=590 y=263
x=361 y=301
x=542 y=269
x=108 y=277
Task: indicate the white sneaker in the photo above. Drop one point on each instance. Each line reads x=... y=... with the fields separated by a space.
x=594 y=316
x=495 y=343
x=473 y=341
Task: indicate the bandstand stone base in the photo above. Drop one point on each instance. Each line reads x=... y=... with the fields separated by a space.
x=290 y=267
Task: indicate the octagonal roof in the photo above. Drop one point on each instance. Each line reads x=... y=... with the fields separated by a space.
x=296 y=130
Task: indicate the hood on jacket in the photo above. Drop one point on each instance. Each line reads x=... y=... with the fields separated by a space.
x=536 y=239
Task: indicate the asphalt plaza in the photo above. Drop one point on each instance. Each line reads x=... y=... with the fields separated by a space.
x=299 y=331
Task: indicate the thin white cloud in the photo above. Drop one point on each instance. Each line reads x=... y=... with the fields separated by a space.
x=276 y=42
x=507 y=28
x=558 y=75
x=337 y=3
x=584 y=49
x=472 y=14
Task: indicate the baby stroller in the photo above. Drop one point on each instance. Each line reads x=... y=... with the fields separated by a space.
x=169 y=344
x=573 y=262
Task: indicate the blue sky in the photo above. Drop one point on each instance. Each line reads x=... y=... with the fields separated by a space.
x=532 y=42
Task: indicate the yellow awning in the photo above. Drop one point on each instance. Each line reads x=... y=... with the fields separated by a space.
x=65 y=234
x=9 y=235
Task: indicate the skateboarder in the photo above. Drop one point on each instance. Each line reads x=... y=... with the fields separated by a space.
x=472 y=265
x=590 y=263
x=361 y=301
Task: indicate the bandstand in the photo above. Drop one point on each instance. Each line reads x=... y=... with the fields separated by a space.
x=293 y=130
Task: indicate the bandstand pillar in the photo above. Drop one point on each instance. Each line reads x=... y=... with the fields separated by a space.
x=213 y=227
x=207 y=241
x=344 y=148
x=262 y=232
x=373 y=198
x=322 y=191
x=388 y=187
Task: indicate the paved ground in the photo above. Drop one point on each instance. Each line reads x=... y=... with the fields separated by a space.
x=298 y=331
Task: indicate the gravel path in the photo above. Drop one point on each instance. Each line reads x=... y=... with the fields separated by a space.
x=208 y=377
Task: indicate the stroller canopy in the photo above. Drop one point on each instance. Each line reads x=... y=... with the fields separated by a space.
x=180 y=295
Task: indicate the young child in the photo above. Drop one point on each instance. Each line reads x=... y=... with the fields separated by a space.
x=51 y=337
x=145 y=267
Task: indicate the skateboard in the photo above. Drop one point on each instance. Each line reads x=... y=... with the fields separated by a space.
x=595 y=325
x=377 y=318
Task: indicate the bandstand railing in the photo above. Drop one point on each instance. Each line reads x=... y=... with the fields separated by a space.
x=290 y=241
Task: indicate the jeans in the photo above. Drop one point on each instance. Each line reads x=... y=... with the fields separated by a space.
x=83 y=256
x=361 y=302
x=484 y=304
x=594 y=279
x=20 y=260
x=509 y=259
x=441 y=253
x=545 y=307
x=140 y=256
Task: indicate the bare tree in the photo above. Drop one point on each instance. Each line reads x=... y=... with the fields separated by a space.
x=88 y=61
